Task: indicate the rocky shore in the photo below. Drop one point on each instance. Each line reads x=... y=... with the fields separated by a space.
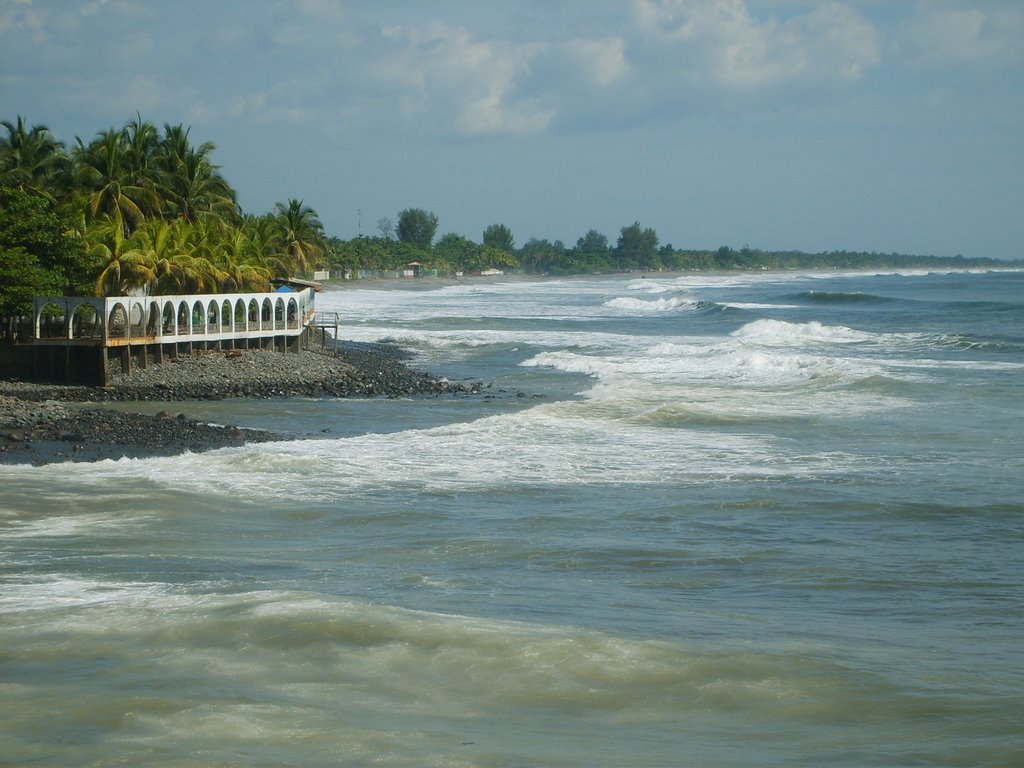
x=37 y=428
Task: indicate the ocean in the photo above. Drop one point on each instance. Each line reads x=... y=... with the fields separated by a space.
x=769 y=519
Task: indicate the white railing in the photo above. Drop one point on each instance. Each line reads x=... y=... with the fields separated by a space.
x=117 y=320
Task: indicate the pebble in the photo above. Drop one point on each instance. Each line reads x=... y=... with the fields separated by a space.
x=37 y=428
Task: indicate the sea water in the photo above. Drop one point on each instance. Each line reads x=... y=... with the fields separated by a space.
x=702 y=520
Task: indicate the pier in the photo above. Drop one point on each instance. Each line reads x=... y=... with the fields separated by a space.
x=74 y=339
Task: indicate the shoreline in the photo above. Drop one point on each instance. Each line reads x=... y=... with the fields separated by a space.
x=37 y=428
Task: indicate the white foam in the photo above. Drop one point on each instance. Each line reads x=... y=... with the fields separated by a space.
x=629 y=304
x=71 y=592
x=685 y=365
x=516 y=300
x=728 y=381
x=780 y=332
x=64 y=526
x=560 y=444
x=650 y=286
x=755 y=305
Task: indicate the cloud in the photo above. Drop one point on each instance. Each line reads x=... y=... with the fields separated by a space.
x=148 y=94
x=93 y=7
x=438 y=67
x=721 y=42
x=603 y=61
x=940 y=35
x=22 y=19
x=290 y=101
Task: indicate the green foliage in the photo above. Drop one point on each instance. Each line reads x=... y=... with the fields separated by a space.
x=32 y=159
x=21 y=279
x=150 y=213
x=417 y=227
x=190 y=186
x=143 y=209
x=499 y=236
x=497 y=258
x=637 y=248
x=300 y=236
x=457 y=253
x=591 y=254
x=34 y=235
x=541 y=256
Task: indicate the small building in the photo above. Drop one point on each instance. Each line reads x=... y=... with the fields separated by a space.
x=297 y=283
x=413 y=269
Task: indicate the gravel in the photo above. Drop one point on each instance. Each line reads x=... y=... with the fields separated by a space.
x=49 y=432
x=36 y=428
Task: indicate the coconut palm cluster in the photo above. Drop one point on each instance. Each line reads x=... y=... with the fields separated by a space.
x=149 y=212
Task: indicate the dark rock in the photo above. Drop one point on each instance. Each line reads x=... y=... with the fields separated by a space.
x=33 y=417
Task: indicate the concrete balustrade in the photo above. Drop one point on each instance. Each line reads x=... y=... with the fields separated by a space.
x=146 y=326
x=120 y=320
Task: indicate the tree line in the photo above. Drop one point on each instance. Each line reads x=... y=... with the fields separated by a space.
x=636 y=249
x=140 y=209
x=136 y=209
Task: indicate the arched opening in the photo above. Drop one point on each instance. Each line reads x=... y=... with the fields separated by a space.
x=254 y=315
x=225 y=316
x=152 y=318
x=279 y=313
x=117 y=322
x=52 y=322
x=198 y=318
x=85 y=323
x=136 y=319
x=293 y=313
x=213 y=317
x=265 y=315
x=240 y=316
x=184 y=327
x=168 y=319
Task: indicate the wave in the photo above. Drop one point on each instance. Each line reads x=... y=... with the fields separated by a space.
x=672 y=304
x=780 y=332
x=973 y=342
x=405 y=663
x=756 y=305
x=303 y=675
x=556 y=445
x=681 y=386
x=840 y=297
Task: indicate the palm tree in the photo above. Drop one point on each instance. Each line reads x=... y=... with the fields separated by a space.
x=262 y=234
x=245 y=266
x=191 y=186
x=105 y=171
x=126 y=267
x=141 y=141
x=32 y=159
x=300 y=235
x=162 y=245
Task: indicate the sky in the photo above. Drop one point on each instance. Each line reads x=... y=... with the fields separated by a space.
x=867 y=125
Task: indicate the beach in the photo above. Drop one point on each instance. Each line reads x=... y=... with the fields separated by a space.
x=48 y=423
